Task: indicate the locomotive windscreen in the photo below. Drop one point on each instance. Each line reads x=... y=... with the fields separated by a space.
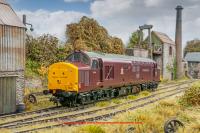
x=79 y=57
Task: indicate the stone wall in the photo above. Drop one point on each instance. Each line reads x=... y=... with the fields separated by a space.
x=20 y=85
x=194 y=69
x=168 y=60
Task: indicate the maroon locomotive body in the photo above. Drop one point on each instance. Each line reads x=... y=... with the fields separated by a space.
x=108 y=75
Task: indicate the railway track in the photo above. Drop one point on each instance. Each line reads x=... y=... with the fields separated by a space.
x=72 y=117
x=39 y=96
x=99 y=117
x=55 y=110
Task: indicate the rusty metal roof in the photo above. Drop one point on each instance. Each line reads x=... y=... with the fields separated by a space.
x=164 y=38
x=8 y=16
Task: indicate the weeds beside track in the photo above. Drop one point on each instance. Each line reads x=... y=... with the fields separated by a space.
x=28 y=121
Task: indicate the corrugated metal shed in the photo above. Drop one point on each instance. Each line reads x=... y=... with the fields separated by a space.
x=3 y=2
x=164 y=38
x=193 y=57
x=8 y=16
x=12 y=59
x=12 y=40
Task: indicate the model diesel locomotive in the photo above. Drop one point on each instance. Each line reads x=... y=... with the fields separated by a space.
x=89 y=76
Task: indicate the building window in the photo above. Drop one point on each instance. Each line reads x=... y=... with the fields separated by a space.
x=170 y=50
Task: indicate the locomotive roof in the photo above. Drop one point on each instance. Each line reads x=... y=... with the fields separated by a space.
x=118 y=57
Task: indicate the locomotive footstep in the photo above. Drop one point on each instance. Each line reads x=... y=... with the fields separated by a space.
x=172 y=125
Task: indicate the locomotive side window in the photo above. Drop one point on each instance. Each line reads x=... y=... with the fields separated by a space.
x=95 y=64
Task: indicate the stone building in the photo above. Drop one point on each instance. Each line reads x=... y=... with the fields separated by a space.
x=164 y=52
x=137 y=52
x=193 y=61
x=12 y=59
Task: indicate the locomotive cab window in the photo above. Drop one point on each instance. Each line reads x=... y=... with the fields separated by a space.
x=78 y=57
x=95 y=64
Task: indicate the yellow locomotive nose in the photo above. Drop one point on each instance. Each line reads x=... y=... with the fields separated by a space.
x=63 y=76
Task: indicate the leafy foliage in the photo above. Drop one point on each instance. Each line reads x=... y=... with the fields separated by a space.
x=192 y=46
x=134 y=39
x=85 y=35
x=89 y=35
x=45 y=49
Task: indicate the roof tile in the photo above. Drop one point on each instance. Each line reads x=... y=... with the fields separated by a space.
x=163 y=37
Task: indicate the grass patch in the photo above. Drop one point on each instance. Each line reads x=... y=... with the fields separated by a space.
x=144 y=93
x=116 y=101
x=132 y=97
x=102 y=104
x=90 y=129
x=38 y=105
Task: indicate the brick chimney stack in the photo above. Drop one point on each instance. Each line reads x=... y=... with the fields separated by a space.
x=178 y=41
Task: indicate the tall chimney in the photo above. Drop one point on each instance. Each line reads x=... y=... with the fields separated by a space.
x=178 y=41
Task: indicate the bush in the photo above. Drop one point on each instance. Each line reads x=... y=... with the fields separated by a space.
x=191 y=96
x=31 y=68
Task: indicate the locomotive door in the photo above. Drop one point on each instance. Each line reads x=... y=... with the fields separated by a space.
x=95 y=72
x=154 y=70
x=100 y=70
x=136 y=71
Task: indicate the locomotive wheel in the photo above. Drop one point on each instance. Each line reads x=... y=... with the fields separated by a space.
x=172 y=125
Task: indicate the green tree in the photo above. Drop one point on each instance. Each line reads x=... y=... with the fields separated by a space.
x=118 y=46
x=192 y=46
x=88 y=35
x=134 y=39
x=46 y=49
